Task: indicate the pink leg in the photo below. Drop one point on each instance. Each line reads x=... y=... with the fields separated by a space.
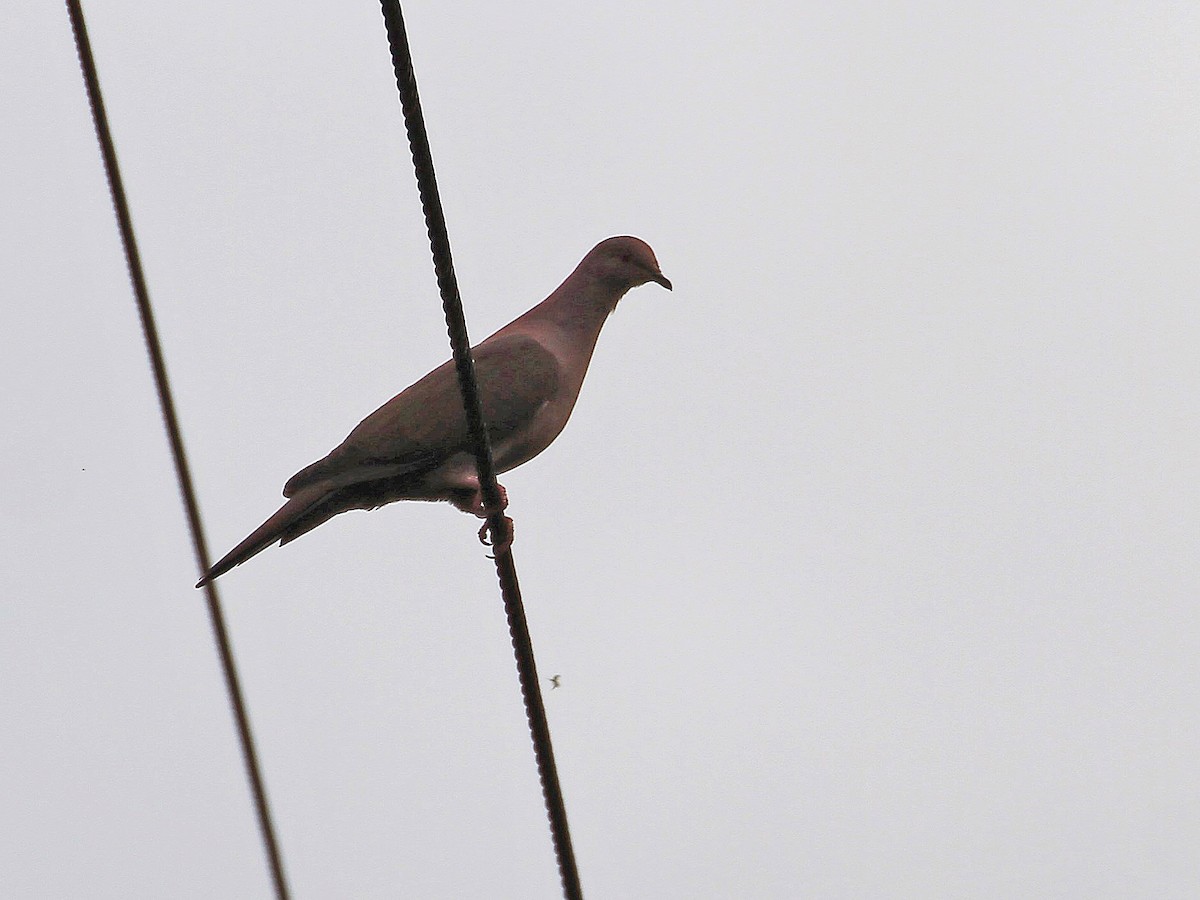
x=475 y=506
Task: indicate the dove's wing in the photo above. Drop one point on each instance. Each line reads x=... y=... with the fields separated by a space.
x=425 y=424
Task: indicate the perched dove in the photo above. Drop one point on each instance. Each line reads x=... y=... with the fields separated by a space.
x=416 y=446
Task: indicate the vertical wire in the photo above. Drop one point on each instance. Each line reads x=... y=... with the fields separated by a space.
x=174 y=435
x=535 y=710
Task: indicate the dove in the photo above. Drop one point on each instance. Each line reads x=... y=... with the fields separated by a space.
x=417 y=447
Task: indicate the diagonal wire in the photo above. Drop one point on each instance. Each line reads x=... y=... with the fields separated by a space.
x=439 y=240
x=170 y=421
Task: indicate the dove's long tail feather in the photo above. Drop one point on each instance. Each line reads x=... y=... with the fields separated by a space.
x=303 y=512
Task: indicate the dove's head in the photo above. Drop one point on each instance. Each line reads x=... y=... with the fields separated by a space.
x=624 y=263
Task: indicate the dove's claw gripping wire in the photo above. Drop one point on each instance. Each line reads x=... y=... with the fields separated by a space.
x=474 y=504
x=501 y=546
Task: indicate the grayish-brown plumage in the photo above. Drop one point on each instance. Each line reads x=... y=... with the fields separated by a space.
x=416 y=446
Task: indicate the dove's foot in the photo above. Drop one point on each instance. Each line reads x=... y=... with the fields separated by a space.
x=473 y=503
x=501 y=546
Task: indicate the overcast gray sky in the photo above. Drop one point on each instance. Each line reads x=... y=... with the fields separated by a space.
x=868 y=560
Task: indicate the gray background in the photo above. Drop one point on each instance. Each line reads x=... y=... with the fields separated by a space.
x=867 y=561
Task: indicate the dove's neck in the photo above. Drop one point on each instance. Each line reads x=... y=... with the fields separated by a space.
x=570 y=319
x=580 y=304
x=568 y=322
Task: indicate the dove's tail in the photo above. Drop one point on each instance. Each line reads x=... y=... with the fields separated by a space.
x=303 y=512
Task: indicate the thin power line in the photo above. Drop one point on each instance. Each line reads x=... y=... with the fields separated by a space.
x=170 y=421
x=506 y=571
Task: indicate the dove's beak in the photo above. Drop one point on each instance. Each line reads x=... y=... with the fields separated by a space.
x=660 y=278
